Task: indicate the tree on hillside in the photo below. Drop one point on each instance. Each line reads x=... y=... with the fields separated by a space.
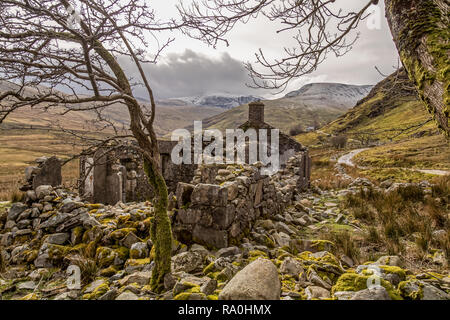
x=420 y=30
x=48 y=46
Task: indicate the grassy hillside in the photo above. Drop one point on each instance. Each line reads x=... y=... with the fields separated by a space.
x=390 y=112
x=396 y=124
x=282 y=113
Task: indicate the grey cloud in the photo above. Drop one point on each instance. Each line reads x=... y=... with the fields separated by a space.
x=191 y=73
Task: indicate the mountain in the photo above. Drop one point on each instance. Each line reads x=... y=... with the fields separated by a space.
x=220 y=100
x=170 y=115
x=313 y=104
x=396 y=124
x=391 y=105
x=343 y=94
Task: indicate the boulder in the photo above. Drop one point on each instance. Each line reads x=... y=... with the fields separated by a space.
x=257 y=281
x=226 y=252
x=43 y=190
x=390 y=261
x=138 y=250
x=141 y=278
x=375 y=293
x=291 y=267
x=127 y=295
x=15 y=210
x=187 y=262
x=58 y=238
x=314 y=292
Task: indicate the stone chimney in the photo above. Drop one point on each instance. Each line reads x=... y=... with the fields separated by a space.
x=256 y=112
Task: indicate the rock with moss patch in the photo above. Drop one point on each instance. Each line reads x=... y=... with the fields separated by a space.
x=138 y=250
x=292 y=267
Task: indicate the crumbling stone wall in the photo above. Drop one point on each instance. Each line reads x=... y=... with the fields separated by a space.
x=117 y=174
x=46 y=172
x=221 y=204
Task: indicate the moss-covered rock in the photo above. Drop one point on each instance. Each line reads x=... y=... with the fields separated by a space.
x=119 y=234
x=356 y=282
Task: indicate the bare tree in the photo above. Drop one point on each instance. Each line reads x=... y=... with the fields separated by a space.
x=46 y=46
x=319 y=27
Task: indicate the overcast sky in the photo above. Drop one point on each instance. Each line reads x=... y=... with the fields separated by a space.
x=189 y=67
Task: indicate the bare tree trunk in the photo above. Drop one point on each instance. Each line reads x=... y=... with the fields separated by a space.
x=161 y=230
x=421 y=32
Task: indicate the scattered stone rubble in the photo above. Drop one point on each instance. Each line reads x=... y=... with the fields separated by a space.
x=52 y=230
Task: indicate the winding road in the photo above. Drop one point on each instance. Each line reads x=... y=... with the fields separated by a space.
x=348 y=157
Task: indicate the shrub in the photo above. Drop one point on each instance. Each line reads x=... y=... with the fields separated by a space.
x=296 y=130
x=411 y=193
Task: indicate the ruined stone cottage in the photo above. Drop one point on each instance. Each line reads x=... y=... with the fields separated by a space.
x=222 y=202
x=110 y=176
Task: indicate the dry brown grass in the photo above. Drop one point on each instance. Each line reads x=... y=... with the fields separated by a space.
x=323 y=172
x=345 y=242
x=19 y=149
x=403 y=222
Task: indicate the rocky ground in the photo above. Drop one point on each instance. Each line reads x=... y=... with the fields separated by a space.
x=285 y=257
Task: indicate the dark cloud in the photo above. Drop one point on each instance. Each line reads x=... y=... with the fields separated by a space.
x=191 y=73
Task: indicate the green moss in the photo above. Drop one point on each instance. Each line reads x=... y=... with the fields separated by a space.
x=119 y=234
x=161 y=230
x=104 y=257
x=182 y=296
x=222 y=276
x=255 y=254
x=212 y=297
x=355 y=282
x=97 y=293
x=92 y=206
x=57 y=252
x=109 y=272
x=394 y=270
x=122 y=253
x=77 y=234
x=322 y=245
x=30 y=296
x=209 y=268
x=137 y=262
x=411 y=289
x=426 y=25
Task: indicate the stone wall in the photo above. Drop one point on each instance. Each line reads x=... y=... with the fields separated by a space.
x=117 y=175
x=46 y=172
x=112 y=176
x=221 y=204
